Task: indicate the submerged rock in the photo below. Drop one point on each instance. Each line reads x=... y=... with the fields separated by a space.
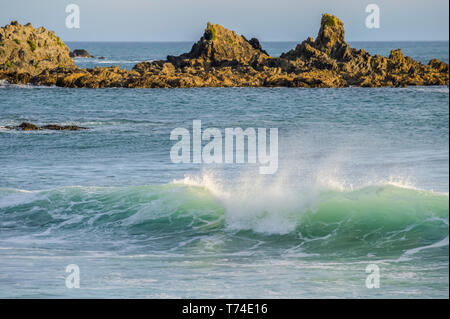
x=25 y=126
x=80 y=53
x=222 y=58
x=55 y=127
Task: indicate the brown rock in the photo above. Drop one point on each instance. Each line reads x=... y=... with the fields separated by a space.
x=223 y=58
x=220 y=46
x=24 y=49
x=25 y=126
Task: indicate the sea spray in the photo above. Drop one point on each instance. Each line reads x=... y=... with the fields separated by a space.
x=377 y=219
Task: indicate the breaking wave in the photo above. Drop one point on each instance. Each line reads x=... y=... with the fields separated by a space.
x=378 y=219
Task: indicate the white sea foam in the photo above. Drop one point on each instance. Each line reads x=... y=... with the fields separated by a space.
x=442 y=243
x=273 y=205
x=4 y=84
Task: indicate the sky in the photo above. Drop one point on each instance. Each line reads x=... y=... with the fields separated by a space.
x=267 y=20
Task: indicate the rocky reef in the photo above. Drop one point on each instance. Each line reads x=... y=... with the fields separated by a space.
x=26 y=126
x=222 y=58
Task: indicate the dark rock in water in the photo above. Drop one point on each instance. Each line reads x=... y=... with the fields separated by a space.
x=80 y=53
x=55 y=127
x=102 y=58
x=25 y=126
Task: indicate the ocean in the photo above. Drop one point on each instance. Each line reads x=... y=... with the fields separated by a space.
x=362 y=184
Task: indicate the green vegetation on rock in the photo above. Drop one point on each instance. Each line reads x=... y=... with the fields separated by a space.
x=24 y=51
x=330 y=20
x=32 y=45
x=58 y=41
x=213 y=32
x=221 y=58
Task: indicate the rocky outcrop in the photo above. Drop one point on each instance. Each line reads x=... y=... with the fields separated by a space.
x=220 y=47
x=327 y=61
x=88 y=78
x=332 y=62
x=222 y=58
x=26 y=50
x=80 y=53
x=25 y=126
x=329 y=44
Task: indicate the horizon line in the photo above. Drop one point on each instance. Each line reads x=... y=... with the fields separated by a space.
x=273 y=41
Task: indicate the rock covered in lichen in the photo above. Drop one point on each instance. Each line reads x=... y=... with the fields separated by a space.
x=24 y=49
x=220 y=47
x=333 y=63
x=222 y=58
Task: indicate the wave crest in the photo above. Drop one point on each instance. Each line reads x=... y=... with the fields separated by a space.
x=373 y=218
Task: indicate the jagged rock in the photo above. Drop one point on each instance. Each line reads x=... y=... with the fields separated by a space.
x=24 y=49
x=331 y=34
x=254 y=42
x=329 y=44
x=219 y=46
x=80 y=53
x=223 y=58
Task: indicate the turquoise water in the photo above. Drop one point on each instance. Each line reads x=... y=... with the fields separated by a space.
x=362 y=179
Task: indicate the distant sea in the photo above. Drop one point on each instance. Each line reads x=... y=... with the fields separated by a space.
x=127 y=54
x=363 y=180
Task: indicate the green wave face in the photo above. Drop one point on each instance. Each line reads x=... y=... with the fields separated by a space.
x=378 y=220
x=385 y=219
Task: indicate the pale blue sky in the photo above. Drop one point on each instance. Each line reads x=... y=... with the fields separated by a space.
x=268 y=20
